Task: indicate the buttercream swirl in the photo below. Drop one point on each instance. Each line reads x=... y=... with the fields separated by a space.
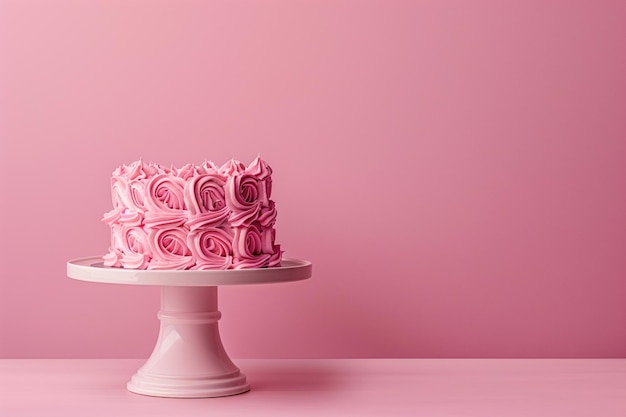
x=137 y=252
x=211 y=247
x=205 y=193
x=165 y=193
x=232 y=167
x=248 y=248
x=244 y=198
x=169 y=249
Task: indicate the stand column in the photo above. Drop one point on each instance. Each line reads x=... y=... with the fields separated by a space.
x=189 y=360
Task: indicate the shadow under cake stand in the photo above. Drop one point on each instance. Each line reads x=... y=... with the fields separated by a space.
x=189 y=360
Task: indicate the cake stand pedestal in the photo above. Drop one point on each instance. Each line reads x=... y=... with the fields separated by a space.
x=189 y=360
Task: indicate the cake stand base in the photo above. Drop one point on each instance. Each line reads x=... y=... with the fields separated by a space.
x=189 y=360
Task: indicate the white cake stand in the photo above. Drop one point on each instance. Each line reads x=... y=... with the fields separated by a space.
x=189 y=360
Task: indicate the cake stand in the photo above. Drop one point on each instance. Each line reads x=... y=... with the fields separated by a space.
x=189 y=360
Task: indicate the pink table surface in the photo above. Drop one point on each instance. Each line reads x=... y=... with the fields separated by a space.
x=329 y=387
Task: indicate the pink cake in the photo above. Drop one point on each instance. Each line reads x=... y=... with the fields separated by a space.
x=193 y=217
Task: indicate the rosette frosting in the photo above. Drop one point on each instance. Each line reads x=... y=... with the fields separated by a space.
x=193 y=217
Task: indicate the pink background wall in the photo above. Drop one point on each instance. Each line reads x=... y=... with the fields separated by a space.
x=456 y=170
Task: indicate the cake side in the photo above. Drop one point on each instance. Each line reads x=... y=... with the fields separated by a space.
x=193 y=217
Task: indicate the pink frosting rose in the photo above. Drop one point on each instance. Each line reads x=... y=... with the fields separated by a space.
x=165 y=193
x=244 y=198
x=165 y=201
x=205 y=193
x=248 y=248
x=136 y=253
x=267 y=215
x=169 y=249
x=136 y=190
x=119 y=192
x=211 y=247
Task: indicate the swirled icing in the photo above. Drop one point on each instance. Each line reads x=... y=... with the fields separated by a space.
x=192 y=217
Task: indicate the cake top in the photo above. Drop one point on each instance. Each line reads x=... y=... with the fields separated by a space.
x=167 y=185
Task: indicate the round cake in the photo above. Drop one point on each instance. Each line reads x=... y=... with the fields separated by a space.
x=192 y=217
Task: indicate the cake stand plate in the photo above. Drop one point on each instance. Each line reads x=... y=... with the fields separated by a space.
x=189 y=360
